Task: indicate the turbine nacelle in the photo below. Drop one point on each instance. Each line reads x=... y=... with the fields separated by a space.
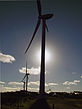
x=46 y=16
x=27 y=74
x=40 y=17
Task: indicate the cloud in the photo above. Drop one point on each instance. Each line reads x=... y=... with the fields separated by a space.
x=76 y=81
x=52 y=84
x=17 y=86
x=15 y=83
x=81 y=76
x=6 y=58
x=1 y=82
x=33 y=84
x=71 y=83
x=68 y=87
x=37 y=83
x=9 y=88
x=33 y=89
x=74 y=73
x=32 y=71
x=1 y=88
x=46 y=84
x=12 y=88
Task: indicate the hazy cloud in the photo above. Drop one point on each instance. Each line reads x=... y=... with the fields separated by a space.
x=32 y=71
x=8 y=88
x=1 y=88
x=37 y=83
x=68 y=87
x=76 y=81
x=52 y=84
x=74 y=73
x=46 y=84
x=15 y=83
x=12 y=88
x=6 y=58
x=1 y=82
x=71 y=83
x=33 y=89
x=16 y=86
x=33 y=84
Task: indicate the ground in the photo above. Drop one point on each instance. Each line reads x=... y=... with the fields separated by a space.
x=33 y=101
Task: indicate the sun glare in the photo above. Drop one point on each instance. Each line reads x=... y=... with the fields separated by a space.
x=47 y=56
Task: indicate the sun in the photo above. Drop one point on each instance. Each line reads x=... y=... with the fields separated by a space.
x=47 y=55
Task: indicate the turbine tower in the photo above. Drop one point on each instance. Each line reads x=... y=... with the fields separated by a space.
x=41 y=18
x=26 y=76
x=23 y=84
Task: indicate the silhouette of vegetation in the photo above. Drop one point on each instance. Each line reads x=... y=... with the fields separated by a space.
x=32 y=100
x=19 y=99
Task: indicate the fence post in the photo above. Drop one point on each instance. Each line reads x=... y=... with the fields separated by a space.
x=52 y=106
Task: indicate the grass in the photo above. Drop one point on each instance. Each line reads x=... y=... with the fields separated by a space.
x=19 y=105
x=24 y=101
x=16 y=100
x=59 y=103
x=64 y=103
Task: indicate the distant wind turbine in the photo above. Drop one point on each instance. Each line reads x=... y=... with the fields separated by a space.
x=23 y=84
x=26 y=76
x=42 y=18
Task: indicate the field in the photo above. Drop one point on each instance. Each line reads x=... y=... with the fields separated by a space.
x=65 y=103
x=20 y=100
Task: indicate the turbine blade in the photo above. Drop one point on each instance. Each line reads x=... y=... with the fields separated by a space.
x=46 y=27
x=24 y=78
x=37 y=26
x=39 y=7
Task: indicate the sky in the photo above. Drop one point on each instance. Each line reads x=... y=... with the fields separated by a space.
x=63 y=42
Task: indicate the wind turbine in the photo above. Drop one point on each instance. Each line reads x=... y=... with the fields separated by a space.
x=23 y=84
x=42 y=18
x=26 y=76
